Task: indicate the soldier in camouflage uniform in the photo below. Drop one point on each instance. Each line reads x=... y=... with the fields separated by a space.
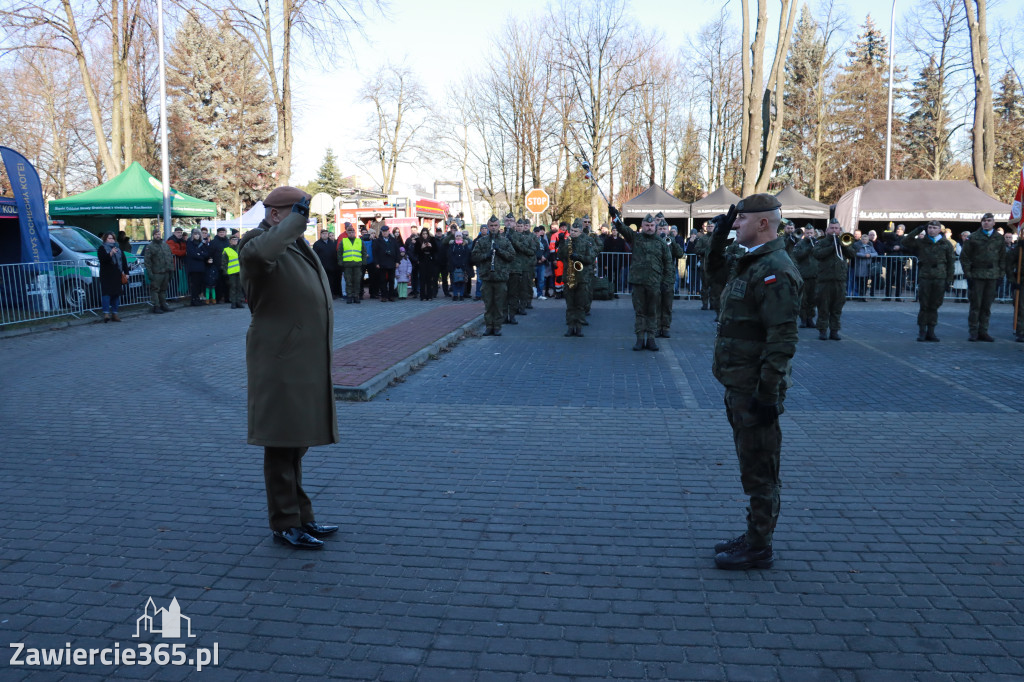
x=757 y=336
x=582 y=252
x=833 y=268
x=493 y=255
x=526 y=259
x=697 y=263
x=589 y=268
x=935 y=263
x=790 y=236
x=808 y=265
x=1013 y=273
x=159 y=265
x=668 y=280
x=512 y=288
x=713 y=283
x=983 y=260
x=649 y=260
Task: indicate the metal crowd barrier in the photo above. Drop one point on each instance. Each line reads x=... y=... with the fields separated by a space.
x=30 y=292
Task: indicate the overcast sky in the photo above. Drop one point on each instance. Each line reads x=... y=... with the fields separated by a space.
x=444 y=39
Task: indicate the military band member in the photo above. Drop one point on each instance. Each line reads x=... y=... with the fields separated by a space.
x=935 y=264
x=526 y=258
x=757 y=337
x=808 y=265
x=576 y=248
x=833 y=268
x=648 y=263
x=493 y=256
x=790 y=236
x=668 y=280
x=983 y=259
x=697 y=248
x=588 y=268
x=513 y=281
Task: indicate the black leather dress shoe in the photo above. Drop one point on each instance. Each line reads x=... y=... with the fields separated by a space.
x=744 y=557
x=319 y=529
x=297 y=538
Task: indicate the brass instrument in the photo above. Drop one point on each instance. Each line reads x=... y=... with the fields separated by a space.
x=575 y=266
x=781 y=231
x=668 y=240
x=846 y=238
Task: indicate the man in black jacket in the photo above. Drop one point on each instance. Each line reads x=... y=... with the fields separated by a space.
x=326 y=250
x=385 y=259
x=217 y=246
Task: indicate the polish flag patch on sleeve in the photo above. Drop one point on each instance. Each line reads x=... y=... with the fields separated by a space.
x=770 y=279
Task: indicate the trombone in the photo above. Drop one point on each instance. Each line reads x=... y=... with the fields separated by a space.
x=846 y=238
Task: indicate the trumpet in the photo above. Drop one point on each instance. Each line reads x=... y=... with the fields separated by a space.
x=846 y=238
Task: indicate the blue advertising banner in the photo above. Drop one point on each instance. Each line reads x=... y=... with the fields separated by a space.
x=28 y=195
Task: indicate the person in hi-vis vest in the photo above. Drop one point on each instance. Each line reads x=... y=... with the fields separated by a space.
x=229 y=266
x=350 y=258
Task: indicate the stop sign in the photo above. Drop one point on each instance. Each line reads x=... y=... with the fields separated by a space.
x=537 y=200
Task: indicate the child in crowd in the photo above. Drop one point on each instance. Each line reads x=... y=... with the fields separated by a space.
x=403 y=273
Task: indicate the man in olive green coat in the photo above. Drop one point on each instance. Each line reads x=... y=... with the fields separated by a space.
x=983 y=260
x=649 y=260
x=288 y=359
x=159 y=265
x=668 y=280
x=582 y=252
x=808 y=265
x=757 y=337
x=833 y=267
x=493 y=256
x=935 y=264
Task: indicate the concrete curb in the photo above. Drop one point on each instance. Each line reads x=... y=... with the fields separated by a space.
x=366 y=391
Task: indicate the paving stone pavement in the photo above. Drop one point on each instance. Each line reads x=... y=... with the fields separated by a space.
x=528 y=507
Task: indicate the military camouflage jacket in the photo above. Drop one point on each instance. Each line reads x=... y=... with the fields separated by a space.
x=757 y=332
x=675 y=253
x=934 y=259
x=582 y=250
x=804 y=259
x=526 y=251
x=984 y=257
x=158 y=257
x=832 y=268
x=1013 y=257
x=650 y=257
x=500 y=254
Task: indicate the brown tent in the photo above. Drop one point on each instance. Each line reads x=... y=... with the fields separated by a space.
x=652 y=200
x=796 y=205
x=711 y=205
x=917 y=201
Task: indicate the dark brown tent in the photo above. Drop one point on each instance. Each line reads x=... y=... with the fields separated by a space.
x=797 y=206
x=917 y=201
x=655 y=199
x=711 y=205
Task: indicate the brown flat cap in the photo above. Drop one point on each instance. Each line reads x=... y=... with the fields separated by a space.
x=285 y=197
x=758 y=203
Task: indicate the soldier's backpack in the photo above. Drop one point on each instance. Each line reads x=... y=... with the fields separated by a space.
x=603 y=289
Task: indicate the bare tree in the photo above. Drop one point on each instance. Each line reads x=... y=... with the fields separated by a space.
x=763 y=102
x=983 y=152
x=399 y=113
x=600 y=49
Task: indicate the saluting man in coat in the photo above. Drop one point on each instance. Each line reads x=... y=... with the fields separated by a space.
x=288 y=358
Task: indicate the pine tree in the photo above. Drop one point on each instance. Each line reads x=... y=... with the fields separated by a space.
x=797 y=146
x=328 y=178
x=220 y=118
x=1009 y=132
x=687 y=184
x=927 y=131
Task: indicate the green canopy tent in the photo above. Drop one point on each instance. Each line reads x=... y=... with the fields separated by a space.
x=132 y=194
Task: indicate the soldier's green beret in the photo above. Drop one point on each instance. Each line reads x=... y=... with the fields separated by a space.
x=758 y=203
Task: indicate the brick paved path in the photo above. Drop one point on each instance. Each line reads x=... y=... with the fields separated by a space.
x=525 y=507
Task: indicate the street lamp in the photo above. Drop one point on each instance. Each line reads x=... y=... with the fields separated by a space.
x=888 y=122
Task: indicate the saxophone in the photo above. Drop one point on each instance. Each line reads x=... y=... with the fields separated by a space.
x=573 y=266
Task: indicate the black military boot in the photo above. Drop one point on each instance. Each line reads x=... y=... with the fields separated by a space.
x=834 y=335
x=922 y=335
x=639 y=345
x=579 y=331
x=743 y=557
x=488 y=332
x=496 y=331
x=510 y=320
x=651 y=344
x=983 y=336
x=822 y=335
x=571 y=331
x=1019 y=339
x=730 y=545
x=929 y=334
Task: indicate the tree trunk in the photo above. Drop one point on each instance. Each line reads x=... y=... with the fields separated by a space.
x=776 y=84
x=982 y=134
x=284 y=117
x=753 y=93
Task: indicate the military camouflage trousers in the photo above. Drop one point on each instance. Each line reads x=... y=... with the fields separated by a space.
x=931 y=293
x=758 y=448
x=513 y=291
x=831 y=299
x=575 y=314
x=645 y=309
x=587 y=288
x=980 y=294
x=158 y=288
x=809 y=298
x=235 y=289
x=494 y=295
x=665 y=307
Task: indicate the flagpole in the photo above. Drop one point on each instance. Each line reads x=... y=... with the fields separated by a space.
x=165 y=171
x=888 y=123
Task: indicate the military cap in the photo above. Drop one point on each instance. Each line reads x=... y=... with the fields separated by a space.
x=833 y=221
x=648 y=218
x=786 y=221
x=662 y=222
x=808 y=226
x=522 y=221
x=285 y=197
x=578 y=223
x=492 y=219
x=659 y=215
x=509 y=216
x=586 y=216
x=987 y=216
x=758 y=203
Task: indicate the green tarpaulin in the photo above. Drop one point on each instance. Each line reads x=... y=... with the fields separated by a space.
x=132 y=194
